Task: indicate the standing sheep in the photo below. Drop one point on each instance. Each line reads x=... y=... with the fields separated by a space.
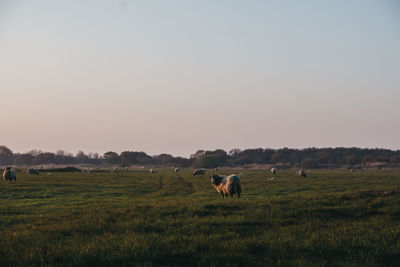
x=152 y=171
x=30 y=171
x=9 y=175
x=302 y=173
x=273 y=170
x=177 y=169
x=227 y=185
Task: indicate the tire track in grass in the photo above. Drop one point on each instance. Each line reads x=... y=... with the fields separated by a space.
x=158 y=186
x=161 y=184
x=188 y=185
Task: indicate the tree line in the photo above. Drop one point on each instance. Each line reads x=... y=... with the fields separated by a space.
x=285 y=157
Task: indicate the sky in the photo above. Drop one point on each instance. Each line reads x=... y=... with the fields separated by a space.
x=178 y=76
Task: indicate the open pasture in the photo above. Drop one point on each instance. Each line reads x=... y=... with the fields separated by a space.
x=134 y=218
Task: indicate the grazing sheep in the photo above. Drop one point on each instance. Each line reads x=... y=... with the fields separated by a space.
x=273 y=170
x=9 y=175
x=227 y=185
x=199 y=172
x=30 y=171
x=302 y=173
x=152 y=171
x=177 y=169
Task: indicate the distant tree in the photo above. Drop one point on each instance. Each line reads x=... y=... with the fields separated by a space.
x=111 y=158
x=211 y=159
x=182 y=162
x=164 y=159
x=308 y=163
x=44 y=158
x=395 y=159
x=6 y=156
x=234 y=152
x=81 y=157
x=198 y=154
x=23 y=159
x=206 y=161
x=352 y=159
x=35 y=152
x=134 y=157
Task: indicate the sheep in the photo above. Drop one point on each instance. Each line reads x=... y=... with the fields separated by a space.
x=273 y=170
x=9 y=175
x=199 y=171
x=177 y=169
x=227 y=185
x=152 y=171
x=301 y=173
x=30 y=171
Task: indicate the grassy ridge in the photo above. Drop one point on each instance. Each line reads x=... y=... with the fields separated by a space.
x=137 y=218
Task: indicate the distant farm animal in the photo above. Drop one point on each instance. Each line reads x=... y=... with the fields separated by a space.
x=152 y=171
x=9 y=175
x=177 y=169
x=199 y=172
x=301 y=173
x=227 y=186
x=273 y=170
x=30 y=171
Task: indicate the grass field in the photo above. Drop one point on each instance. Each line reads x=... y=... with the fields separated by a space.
x=133 y=218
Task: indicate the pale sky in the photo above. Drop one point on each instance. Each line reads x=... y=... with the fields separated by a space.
x=178 y=76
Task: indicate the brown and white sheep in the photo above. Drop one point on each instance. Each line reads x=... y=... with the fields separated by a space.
x=302 y=173
x=227 y=185
x=9 y=175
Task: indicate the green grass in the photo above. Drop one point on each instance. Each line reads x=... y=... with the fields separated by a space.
x=331 y=218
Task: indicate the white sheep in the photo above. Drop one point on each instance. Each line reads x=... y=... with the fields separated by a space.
x=199 y=171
